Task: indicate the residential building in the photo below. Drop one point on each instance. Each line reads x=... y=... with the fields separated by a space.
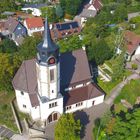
x=132 y=41
x=90 y=10
x=34 y=25
x=54 y=83
x=14 y=30
x=62 y=30
x=35 y=8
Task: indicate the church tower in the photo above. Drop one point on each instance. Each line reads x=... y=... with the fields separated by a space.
x=48 y=67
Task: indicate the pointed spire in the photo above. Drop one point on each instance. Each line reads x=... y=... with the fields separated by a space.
x=47 y=37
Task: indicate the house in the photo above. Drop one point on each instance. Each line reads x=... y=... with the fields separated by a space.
x=132 y=41
x=34 y=25
x=62 y=30
x=35 y=8
x=90 y=10
x=54 y=83
x=14 y=30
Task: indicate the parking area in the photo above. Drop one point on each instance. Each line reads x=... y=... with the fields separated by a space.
x=5 y=132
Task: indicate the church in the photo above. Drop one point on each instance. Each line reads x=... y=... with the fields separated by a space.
x=54 y=83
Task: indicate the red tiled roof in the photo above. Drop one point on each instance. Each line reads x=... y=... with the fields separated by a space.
x=34 y=22
x=132 y=41
x=97 y=4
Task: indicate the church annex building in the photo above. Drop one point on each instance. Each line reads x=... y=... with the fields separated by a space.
x=54 y=83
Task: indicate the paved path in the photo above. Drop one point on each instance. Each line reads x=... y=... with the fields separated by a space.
x=98 y=111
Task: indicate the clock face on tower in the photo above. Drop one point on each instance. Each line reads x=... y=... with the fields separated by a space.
x=51 y=61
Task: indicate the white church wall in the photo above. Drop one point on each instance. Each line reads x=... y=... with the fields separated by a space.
x=74 y=108
x=46 y=110
x=23 y=101
x=96 y=100
x=35 y=113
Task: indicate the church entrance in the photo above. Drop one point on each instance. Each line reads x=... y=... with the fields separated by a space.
x=53 y=117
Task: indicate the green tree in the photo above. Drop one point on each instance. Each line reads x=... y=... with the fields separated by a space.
x=99 y=51
x=120 y=13
x=8 y=66
x=127 y=126
x=67 y=128
x=8 y=46
x=28 y=48
x=59 y=11
x=50 y=13
x=71 y=6
x=69 y=44
x=118 y=67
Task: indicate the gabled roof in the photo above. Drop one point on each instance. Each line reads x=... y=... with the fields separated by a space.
x=74 y=68
x=132 y=41
x=81 y=94
x=11 y=24
x=88 y=13
x=67 y=25
x=34 y=22
x=97 y=4
x=25 y=80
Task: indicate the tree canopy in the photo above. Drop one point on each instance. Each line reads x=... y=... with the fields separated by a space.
x=67 y=128
x=8 y=46
x=71 y=6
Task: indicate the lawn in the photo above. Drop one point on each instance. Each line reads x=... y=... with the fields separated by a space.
x=6 y=114
x=130 y=92
x=107 y=86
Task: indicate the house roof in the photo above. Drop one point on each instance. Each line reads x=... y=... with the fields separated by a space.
x=67 y=25
x=35 y=5
x=11 y=24
x=26 y=80
x=81 y=94
x=97 y=4
x=132 y=41
x=34 y=22
x=88 y=13
x=74 y=68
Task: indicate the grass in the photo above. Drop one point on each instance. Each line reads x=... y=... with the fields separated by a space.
x=130 y=92
x=7 y=118
x=6 y=114
x=107 y=86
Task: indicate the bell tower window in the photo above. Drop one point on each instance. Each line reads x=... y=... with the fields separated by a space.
x=52 y=75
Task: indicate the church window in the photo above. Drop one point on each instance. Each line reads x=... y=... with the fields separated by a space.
x=68 y=107
x=22 y=93
x=24 y=106
x=53 y=105
x=51 y=75
x=79 y=104
x=52 y=91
